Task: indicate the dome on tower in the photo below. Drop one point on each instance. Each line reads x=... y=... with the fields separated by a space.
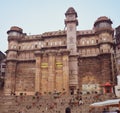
x=16 y=29
x=71 y=10
x=103 y=19
x=103 y=23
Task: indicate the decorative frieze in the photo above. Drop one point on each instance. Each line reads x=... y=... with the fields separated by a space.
x=44 y=65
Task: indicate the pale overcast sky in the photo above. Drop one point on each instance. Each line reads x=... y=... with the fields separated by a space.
x=39 y=16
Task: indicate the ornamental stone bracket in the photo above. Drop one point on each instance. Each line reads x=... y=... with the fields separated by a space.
x=75 y=55
x=38 y=53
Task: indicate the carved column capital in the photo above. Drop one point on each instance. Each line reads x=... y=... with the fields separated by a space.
x=51 y=52
x=65 y=52
x=38 y=53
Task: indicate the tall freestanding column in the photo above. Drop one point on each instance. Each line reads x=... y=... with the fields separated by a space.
x=71 y=22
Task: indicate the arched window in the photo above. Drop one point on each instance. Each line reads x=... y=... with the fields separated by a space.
x=104 y=38
x=51 y=43
x=39 y=43
x=32 y=46
x=92 y=41
x=87 y=42
x=83 y=42
x=60 y=43
x=23 y=47
x=96 y=41
x=46 y=43
x=55 y=43
x=19 y=47
x=35 y=46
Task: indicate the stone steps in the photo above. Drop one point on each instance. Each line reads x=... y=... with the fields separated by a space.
x=45 y=104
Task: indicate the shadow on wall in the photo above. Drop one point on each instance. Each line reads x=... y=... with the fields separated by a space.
x=1 y=83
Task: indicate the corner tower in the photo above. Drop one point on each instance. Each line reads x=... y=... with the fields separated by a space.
x=14 y=35
x=104 y=31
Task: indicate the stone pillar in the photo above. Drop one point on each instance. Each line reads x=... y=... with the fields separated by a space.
x=59 y=72
x=10 y=78
x=66 y=71
x=73 y=64
x=51 y=70
x=44 y=73
x=38 y=72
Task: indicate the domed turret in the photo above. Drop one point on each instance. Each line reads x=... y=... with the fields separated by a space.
x=71 y=16
x=103 y=23
x=14 y=35
x=104 y=31
x=70 y=11
x=14 y=31
x=103 y=19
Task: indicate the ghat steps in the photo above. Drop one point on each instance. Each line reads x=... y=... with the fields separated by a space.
x=50 y=103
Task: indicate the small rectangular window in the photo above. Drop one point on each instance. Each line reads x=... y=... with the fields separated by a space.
x=35 y=46
x=19 y=47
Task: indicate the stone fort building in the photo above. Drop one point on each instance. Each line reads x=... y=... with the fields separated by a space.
x=63 y=61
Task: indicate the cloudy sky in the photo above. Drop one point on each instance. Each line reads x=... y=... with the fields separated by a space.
x=39 y=16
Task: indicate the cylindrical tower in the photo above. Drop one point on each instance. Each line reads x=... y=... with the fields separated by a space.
x=14 y=35
x=104 y=30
